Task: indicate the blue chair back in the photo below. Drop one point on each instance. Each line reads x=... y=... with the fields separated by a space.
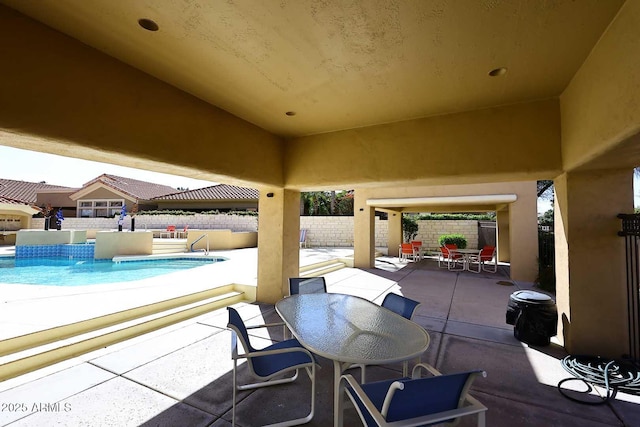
x=403 y=306
x=431 y=395
x=307 y=285
x=236 y=322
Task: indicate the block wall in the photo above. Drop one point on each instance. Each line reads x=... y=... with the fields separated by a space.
x=323 y=231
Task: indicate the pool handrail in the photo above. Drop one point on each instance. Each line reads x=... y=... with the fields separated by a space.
x=206 y=251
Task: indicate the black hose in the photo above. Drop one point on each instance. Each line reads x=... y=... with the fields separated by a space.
x=612 y=375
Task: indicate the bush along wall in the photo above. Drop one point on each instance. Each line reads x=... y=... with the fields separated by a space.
x=453 y=239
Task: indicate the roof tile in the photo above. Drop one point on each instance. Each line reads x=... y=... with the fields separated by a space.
x=215 y=192
x=141 y=190
x=25 y=192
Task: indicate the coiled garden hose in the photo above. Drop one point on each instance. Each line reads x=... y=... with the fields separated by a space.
x=610 y=374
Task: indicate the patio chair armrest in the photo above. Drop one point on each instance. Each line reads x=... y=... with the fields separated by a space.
x=415 y=373
x=266 y=325
x=364 y=399
x=278 y=351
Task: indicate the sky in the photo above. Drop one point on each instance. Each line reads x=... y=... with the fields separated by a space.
x=33 y=166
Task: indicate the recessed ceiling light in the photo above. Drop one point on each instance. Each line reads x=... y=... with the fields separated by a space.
x=290 y=113
x=498 y=72
x=148 y=24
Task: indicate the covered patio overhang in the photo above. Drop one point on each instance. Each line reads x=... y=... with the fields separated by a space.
x=317 y=104
x=475 y=203
x=514 y=204
x=498 y=203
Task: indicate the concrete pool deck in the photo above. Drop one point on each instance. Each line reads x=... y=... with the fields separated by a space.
x=29 y=308
x=181 y=375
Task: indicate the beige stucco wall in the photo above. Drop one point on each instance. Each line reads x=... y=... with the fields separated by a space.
x=278 y=242
x=222 y=239
x=160 y=222
x=8 y=238
x=50 y=237
x=103 y=193
x=590 y=261
x=55 y=198
x=112 y=243
x=130 y=117
x=599 y=108
x=11 y=222
x=511 y=141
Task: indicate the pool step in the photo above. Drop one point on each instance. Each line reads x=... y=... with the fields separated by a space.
x=324 y=267
x=321 y=268
x=169 y=246
x=29 y=352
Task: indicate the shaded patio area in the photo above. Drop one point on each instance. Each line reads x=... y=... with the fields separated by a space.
x=181 y=376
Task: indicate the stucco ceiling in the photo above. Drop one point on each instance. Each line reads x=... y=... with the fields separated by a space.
x=342 y=64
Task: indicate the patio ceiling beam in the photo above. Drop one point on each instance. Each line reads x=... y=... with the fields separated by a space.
x=459 y=202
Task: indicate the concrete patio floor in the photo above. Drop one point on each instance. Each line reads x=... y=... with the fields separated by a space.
x=181 y=375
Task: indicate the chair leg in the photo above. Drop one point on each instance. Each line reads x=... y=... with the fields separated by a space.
x=473 y=270
x=490 y=269
x=481 y=419
x=311 y=372
x=442 y=263
x=233 y=407
x=453 y=261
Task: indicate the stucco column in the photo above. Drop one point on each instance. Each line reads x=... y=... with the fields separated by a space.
x=394 y=237
x=502 y=231
x=590 y=260
x=363 y=231
x=523 y=235
x=278 y=242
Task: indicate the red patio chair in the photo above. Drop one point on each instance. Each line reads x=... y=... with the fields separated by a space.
x=406 y=252
x=170 y=232
x=484 y=260
x=417 y=248
x=450 y=258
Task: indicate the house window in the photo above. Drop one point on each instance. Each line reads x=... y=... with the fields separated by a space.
x=100 y=208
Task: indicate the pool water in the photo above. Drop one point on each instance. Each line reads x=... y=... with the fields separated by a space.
x=78 y=272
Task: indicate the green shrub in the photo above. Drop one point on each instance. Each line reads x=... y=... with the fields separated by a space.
x=211 y=212
x=453 y=239
x=488 y=216
x=409 y=228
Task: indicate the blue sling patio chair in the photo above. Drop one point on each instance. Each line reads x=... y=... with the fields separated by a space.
x=405 y=307
x=307 y=285
x=269 y=363
x=415 y=401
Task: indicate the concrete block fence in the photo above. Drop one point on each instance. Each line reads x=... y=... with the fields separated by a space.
x=159 y=222
x=323 y=231
x=338 y=231
x=430 y=231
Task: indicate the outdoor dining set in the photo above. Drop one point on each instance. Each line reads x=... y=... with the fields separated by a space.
x=454 y=258
x=354 y=333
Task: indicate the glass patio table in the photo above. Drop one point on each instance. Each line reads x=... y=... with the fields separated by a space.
x=350 y=330
x=466 y=253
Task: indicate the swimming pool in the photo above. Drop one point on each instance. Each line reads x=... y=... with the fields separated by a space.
x=78 y=272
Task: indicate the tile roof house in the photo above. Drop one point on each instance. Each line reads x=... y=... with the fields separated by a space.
x=220 y=197
x=105 y=195
x=24 y=191
x=17 y=206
